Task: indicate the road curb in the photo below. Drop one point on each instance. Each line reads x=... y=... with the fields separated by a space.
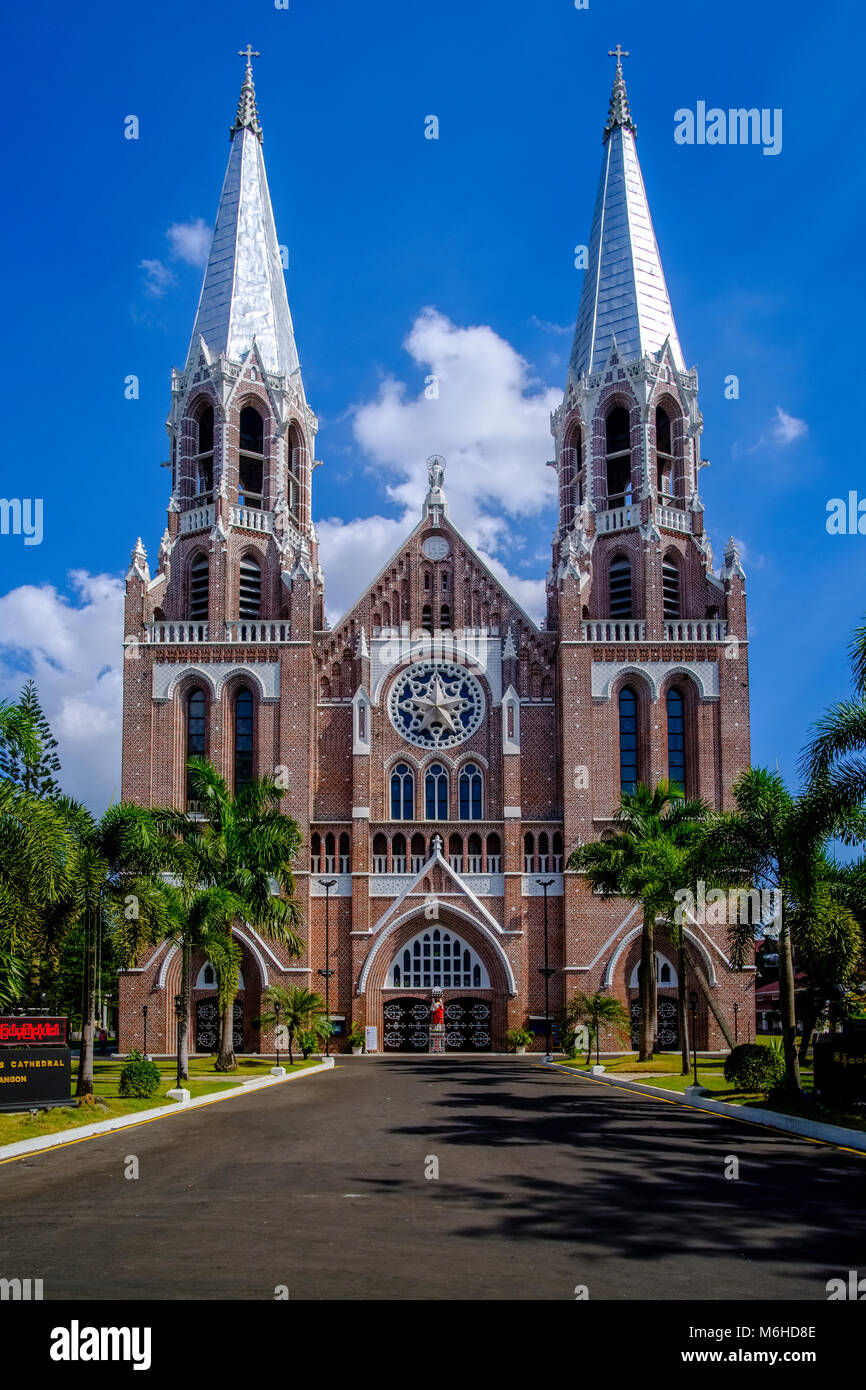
x=67 y=1136
x=768 y=1119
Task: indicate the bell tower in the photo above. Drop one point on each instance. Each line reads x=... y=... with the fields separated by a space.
x=653 y=670
x=237 y=592
x=239 y=545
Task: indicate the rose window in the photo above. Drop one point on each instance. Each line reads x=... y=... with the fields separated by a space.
x=436 y=704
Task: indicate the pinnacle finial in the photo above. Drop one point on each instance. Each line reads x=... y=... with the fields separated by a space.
x=435 y=503
x=618 y=112
x=247 y=117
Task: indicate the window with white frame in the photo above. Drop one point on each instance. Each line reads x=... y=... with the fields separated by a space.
x=666 y=975
x=437 y=959
x=206 y=978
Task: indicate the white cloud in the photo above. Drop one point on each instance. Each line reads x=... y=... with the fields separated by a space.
x=786 y=428
x=782 y=430
x=352 y=553
x=547 y=327
x=490 y=420
x=190 y=241
x=159 y=278
x=71 y=647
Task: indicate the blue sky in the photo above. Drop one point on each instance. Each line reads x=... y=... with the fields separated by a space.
x=461 y=248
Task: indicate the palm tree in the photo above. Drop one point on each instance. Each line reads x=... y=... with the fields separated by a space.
x=295 y=1008
x=644 y=860
x=834 y=761
x=233 y=861
x=111 y=887
x=593 y=1011
x=774 y=840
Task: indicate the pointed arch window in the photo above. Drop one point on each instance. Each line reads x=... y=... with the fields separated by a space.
x=628 y=770
x=445 y=617
x=402 y=793
x=437 y=959
x=618 y=457
x=671 y=598
x=198 y=588
x=664 y=457
x=471 y=787
x=571 y=476
x=244 y=722
x=436 y=792
x=676 y=739
x=249 y=588
x=294 y=454
x=196 y=737
x=620 y=587
x=251 y=460
x=203 y=480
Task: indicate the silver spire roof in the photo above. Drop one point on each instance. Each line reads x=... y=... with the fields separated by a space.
x=624 y=294
x=244 y=291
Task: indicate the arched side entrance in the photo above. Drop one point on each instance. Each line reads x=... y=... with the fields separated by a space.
x=204 y=1013
x=449 y=955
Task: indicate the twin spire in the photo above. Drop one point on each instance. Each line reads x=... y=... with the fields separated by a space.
x=243 y=296
x=624 y=295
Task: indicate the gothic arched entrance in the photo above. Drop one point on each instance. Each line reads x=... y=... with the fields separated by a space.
x=448 y=956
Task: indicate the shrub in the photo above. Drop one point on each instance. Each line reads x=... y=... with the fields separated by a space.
x=751 y=1067
x=139 y=1078
x=519 y=1037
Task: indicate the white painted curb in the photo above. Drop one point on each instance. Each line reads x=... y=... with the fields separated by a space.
x=770 y=1119
x=64 y=1136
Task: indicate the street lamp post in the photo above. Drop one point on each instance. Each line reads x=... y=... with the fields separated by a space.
x=178 y=1013
x=693 y=1001
x=736 y=1027
x=277 y=1028
x=327 y=884
x=144 y=1016
x=544 y=884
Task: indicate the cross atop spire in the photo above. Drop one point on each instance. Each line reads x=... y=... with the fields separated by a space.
x=247 y=116
x=618 y=112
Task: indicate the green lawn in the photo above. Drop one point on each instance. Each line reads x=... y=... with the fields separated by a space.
x=668 y=1062
x=204 y=1080
x=711 y=1076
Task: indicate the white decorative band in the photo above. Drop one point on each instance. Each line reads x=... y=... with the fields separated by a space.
x=704 y=673
x=531 y=888
x=342 y=886
x=360 y=813
x=512 y=812
x=214 y=674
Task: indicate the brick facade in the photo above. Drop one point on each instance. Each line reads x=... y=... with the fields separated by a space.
x=547 y=747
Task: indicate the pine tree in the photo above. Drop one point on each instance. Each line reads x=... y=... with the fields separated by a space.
x=34 y=775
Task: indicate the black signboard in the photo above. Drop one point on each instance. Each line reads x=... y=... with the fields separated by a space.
x=840 y=1066
x=34 y=1076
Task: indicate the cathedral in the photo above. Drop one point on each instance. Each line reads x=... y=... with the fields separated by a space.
x=442 y=752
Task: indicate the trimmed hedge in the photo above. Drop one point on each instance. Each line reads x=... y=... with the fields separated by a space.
x=139 y=1078
x=752 y=1067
